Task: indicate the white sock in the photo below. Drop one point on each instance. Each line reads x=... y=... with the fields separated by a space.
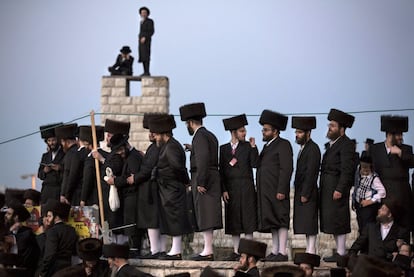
x=163 y=243
x=340 y=244
x=275 y=241
x=208 y=243
x=176 y=246
x=311 y=244
x=283 y=236
x=236 y=241
x=248 y=236
x=154 y=238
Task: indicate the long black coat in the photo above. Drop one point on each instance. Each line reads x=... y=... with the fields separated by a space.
x=370 y=239
x=60 y=245
x=89 y=192
x=122 y=66
x=273 y=175
x=237 y=180
x=116 y=163
x=52 y=180
x=337 y=173
x=394 y=174
x=172 y=179
x=305 y=215
x=204 y=172
x=73 y=174
x=146 y=30
x=147 y=216
x=132 y=165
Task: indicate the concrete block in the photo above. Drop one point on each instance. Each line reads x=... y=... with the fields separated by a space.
x=120 y=82
x=108 y=81
x=118 y=92
x=106 y=91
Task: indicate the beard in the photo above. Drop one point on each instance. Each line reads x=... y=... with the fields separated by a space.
x=267 y=138
x=53 y=147
x=382 y=219
x=8 y=223
x=396 y=142
x=160 y=143
x=332 y=135
x=190 y=130
x=244 y=266
x=300 y=140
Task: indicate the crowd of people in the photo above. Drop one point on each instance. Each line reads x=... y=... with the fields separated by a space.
x=150 y=193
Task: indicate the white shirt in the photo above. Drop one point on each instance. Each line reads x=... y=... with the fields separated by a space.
x=385 y=229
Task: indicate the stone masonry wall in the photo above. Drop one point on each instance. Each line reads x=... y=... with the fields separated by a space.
x=116 y=101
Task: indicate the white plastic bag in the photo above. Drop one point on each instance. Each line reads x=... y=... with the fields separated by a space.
x=113 y=199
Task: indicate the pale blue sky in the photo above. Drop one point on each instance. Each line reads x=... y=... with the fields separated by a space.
x=237 y=56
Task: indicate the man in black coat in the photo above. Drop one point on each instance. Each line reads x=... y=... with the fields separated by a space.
x=51 y=165
x=21 y=237
x=250 y=253
x=147 y=187
x=237 y=160
x=273 y=175
x=117 y=255
x=205 y=177
x=90 y=251
x=89 y=193
x=305 y=208
x=392 y=161
x=172 y=178
x=336 y=180
x=146 y=31
x=381 y=238
x=72 y=164
x=123 y=63
x=61 y=239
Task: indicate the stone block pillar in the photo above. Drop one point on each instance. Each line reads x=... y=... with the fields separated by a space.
x=117 y=103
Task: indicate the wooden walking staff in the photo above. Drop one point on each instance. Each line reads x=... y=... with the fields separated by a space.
x=104 y=224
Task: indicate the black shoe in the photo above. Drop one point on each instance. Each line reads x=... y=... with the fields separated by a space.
x=332 y=259
x=232 y=257
x=145 y=74
x=166 y=257
x=270 y=258
x=281 y=258
x=152 y=256
x=203 y=258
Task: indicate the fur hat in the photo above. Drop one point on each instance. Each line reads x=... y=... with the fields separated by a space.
x=32 y=194
x=125 y=50
x=283 y=270
x=235 y=122
x=19 y=210
x=67 y=131
x=48 y=131
x=277 y=120
x=115 y=251
x=85 y=133
x=11 y=195
x=162 y=124
x=253 y=248
x=369 y=141
x=195 y=111
x=338 y=272
x=395 y=208
x=58 y=208
x=144 y=8
x=341 y=117
x=90 y=249
x=307 y=258
x=373 y=266
x=403 y=261
x=305 y=123
x=394 y=123
x=117 y=127
x=146 y=118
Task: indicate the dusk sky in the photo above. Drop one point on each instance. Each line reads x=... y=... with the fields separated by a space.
x=236 y=56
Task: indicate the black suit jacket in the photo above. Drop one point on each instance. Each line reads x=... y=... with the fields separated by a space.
x=27 y=248
x=370 y=238
x=60 y=245
x=73 y=174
